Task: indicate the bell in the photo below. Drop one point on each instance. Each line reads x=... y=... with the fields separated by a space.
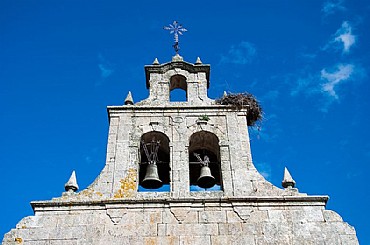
x=151 y=180
x=206 y=180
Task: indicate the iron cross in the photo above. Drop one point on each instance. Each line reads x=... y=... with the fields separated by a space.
x=176 y=29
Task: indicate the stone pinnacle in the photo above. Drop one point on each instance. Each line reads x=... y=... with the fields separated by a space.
x=129 y=100
x=155 y=62
x=288 y=181
x=71 y=184
x=198 y=62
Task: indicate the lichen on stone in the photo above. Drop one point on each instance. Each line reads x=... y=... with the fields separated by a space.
x=18 y=240
x=128 y=185
x=91 y=193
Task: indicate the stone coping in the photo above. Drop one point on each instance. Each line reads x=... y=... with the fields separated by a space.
x=175 y=105
x=183 y=202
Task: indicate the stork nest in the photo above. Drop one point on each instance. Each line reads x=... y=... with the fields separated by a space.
x=244 y=100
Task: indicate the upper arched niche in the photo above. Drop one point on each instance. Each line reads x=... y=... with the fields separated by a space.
x=204 y=140
x=178 y=81
x=179 y=84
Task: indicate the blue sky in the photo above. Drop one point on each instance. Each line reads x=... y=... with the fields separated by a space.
x=63 y=62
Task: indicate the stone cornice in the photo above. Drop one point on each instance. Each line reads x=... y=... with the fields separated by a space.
x=253 y=201
x=178 y=107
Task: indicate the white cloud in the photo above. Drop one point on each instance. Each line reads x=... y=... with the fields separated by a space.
x=330 y=7
x=324 y=85
x=344 y=35
x=340 y=74
x=241 y=54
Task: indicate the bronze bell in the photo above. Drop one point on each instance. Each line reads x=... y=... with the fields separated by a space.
x=206 y=180
x=151 y=180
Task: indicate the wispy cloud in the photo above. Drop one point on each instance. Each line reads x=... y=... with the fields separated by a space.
x=330 y=7
x=240 y=54
x=268 y=131
x=306 y=84
x=105 y=71
x=270 y=95
x=342 y=37
x=308 y=56
x=88 y=159
x=264 y=169
x=353 y=175
x=325 y=84
x=105 y=67
x=334 y=78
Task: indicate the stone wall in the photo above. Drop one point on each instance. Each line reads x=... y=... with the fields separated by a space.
x=253 y=221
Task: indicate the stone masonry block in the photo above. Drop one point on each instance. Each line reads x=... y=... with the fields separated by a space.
x=161 y=240
x=185 y=215
x=212 y=217
x=195 y=240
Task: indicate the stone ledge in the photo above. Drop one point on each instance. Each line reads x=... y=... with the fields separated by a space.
x=252 y=201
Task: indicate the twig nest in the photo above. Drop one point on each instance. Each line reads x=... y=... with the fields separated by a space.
x=243 y=100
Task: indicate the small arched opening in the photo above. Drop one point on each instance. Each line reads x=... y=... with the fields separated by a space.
x=154 y=173
x=204 y=150
x=178 y=88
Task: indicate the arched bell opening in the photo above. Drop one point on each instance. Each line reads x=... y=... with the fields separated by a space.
x=154 y=173
x=204 y=162
x=178 y=88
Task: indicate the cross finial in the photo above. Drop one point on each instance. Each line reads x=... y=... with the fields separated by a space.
x=176 y=29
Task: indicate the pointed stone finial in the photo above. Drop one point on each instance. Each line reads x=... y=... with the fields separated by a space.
x=71 y=185
x=225 y=94
x=288 y=181
x=129 y=100
x=155 y=62
x=177 y=57
x=198 y=61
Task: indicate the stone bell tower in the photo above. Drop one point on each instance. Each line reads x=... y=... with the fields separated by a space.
x=180 y=173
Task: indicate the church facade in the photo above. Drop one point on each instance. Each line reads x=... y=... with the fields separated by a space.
x=180 y=173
